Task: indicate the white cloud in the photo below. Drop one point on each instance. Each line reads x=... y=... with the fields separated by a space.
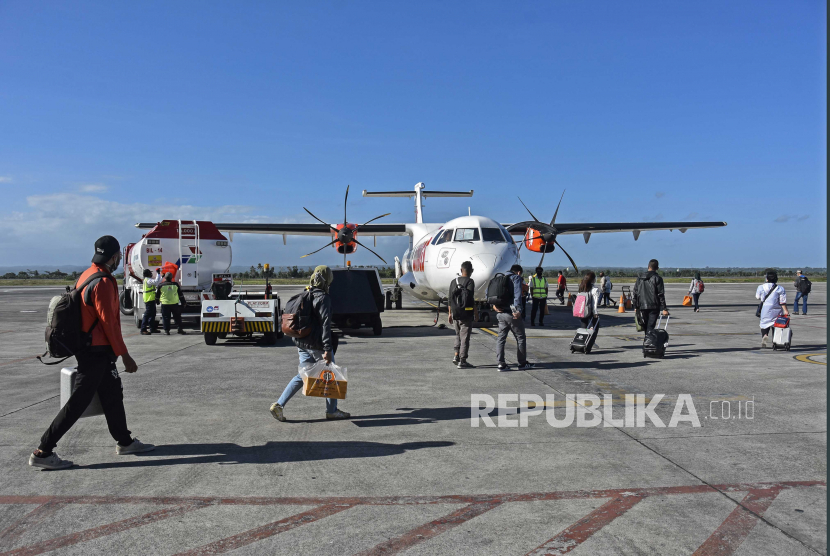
x=93 y=188
x=5 y=179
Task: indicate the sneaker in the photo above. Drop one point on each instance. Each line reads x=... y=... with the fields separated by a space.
x=182 y=332
x=464 y=365
x=137 y=447
x=51 y=462
x=503 y=367
x=764 y=342
x=276 y=411
x=167 y=332
x=338 y=415
x=795 y=313
x=527 y=366
x=455 y=360
x=145 y=332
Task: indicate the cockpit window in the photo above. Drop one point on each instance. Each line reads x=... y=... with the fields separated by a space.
x=467 y=234
x=507 y=236
x=443 y=237
x=492 y=234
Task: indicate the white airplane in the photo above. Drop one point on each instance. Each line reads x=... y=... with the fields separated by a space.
x=436 y=250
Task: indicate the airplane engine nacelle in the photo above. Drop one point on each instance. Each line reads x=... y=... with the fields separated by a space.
x=534 y=242
x=346 y=248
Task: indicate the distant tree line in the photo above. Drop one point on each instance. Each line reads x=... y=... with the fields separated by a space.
x=47 y=275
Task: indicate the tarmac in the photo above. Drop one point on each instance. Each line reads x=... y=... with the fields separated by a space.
x=410 y=472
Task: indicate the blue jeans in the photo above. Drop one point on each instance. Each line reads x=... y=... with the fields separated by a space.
x=306 y=356
x=149 y=319
x=802 y=296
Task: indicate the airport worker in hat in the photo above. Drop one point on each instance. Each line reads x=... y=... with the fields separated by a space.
x=170 y=296
x=148 y=321
x=96 y=371
x=320 y=344
x=462 y=313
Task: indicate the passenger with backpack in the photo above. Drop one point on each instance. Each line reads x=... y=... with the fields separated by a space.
x=586 y=305
x=462 y=309
x=650 y=296
x=802 y=290
x=695 y=289
x=307 y=319
x=773 y=303
x=504 y=294
x=86 y=323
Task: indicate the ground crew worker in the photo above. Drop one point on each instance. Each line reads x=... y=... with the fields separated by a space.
x=148 y=322
x=171 y=299
x=538 y=285
x=96 y=365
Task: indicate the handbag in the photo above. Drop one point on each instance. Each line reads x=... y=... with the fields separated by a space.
x=761 y=304
x=687 y=301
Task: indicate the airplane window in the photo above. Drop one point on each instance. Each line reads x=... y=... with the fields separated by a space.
x=467 y=234
x=507 y=236
x=492 y=234
x=444 y=238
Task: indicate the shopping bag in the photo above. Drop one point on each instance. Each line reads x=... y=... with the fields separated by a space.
x=687 y=301
x=324 y=380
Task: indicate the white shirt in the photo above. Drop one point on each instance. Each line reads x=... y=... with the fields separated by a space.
x=772 y=306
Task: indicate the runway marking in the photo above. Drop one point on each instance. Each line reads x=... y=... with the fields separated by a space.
x=42 y=513
x=259 y=533
x=736 y=527
x=806 y=358
x=725 y=540
x=582 y=530
x=431 y=529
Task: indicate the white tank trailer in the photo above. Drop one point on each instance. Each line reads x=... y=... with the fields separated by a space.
x=196 y=251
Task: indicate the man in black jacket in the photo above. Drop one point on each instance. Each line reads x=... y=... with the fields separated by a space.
x=650 y=296
x=462 y=316
x=320 y=344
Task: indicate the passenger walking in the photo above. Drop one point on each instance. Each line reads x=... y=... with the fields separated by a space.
x=773 y=303
x=602 y=281
x=650 y=296
x=802 y=290
x=462 y=309
x=96 y=371
x=588 y=285
x=170 y=296
x=148 y=322
x=509 y=319
x=321 y=344
x=695 y=289
x=561 y=286
x=538 y=285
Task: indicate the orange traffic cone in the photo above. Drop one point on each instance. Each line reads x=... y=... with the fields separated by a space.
x=570 y=301
x=622 y=304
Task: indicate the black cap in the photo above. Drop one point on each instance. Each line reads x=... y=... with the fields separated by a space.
x=105 y=248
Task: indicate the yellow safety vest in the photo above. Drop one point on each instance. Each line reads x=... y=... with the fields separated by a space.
x=538 y=287
x=149 y=291
x=169 y=294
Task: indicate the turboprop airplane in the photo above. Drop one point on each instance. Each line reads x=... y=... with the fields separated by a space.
x=436 y=250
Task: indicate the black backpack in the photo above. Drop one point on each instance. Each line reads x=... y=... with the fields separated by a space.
x=298 y=316
x=64 y=333
x=500 y=291
x=463 y=300
x=804 y=285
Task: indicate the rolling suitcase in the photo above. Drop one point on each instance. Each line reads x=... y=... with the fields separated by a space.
x=781 y=338
x=656 y=341
x=585 y=337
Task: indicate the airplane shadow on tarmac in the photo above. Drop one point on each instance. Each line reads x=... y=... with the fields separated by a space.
x=270 y=452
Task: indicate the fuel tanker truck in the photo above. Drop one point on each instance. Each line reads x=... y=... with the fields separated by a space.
x=195 y=252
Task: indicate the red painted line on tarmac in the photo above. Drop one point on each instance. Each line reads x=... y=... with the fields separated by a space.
x=44 y=512
x=266 y=531
x=579 y=532
x=102 y=531
x=736 y=527
x=431 y=529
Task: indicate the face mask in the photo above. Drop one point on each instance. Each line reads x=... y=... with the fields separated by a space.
x=114 y=266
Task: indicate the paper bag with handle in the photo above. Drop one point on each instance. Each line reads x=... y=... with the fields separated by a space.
x=324 y=380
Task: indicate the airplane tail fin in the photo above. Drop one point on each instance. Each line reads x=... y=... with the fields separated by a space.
x=419 y=195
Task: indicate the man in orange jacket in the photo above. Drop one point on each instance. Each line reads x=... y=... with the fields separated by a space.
x=96 y=366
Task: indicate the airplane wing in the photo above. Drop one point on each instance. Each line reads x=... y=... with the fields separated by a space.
x=297 y=229
x=607 y=227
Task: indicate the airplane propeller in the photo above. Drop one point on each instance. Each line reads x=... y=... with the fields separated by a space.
x=345 y=235
x=546 y=231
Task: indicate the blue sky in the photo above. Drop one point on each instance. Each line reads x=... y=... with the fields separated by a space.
x=116 y=112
